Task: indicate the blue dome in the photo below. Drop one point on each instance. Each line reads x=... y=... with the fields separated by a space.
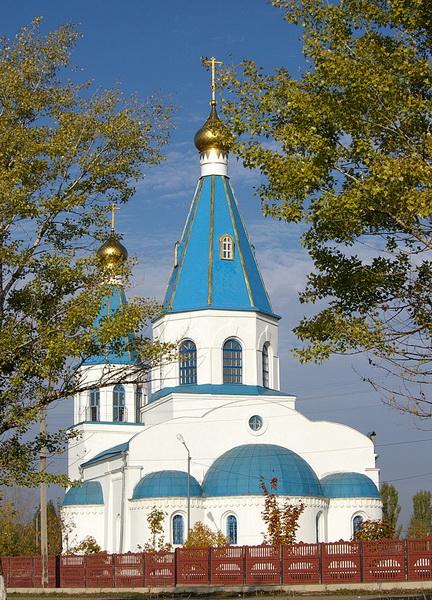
x=90 y=492
x=238 y=472
x=349 y=485
x=166 y=484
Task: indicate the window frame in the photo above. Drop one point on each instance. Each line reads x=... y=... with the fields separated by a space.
x=188 y=365
x=232 y=528
x=94 y=404
x=177 y=525
x=232 y=362
x=226 y=247
x=266 y=365
x=119 y=403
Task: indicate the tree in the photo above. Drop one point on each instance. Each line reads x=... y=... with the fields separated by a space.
x=346 y=150
x=374 y=530
x=67 y=152
x=155 y=520
x=54 y=529
x=88 y=546
x=391 y=507
x=202 y=536
x=281 y=520
x=420 y=524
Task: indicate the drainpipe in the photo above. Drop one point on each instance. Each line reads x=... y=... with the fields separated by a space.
x=123 y=500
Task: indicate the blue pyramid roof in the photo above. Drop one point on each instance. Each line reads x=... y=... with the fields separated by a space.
x=114 y=299
x=201 y=278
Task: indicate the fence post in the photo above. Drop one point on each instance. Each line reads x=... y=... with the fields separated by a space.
x=85 y=570
x=244 y=564
x=143 y=569
x=57 y=571
x=406 y=558
x=361 y=562
x=113 y=570
x=320 y=561
x=176 y=553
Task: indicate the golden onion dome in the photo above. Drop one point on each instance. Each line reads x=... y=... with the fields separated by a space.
x=213 y=134
x=112 y=253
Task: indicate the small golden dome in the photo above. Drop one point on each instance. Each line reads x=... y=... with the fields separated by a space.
x=112 y=253
x=213 y=134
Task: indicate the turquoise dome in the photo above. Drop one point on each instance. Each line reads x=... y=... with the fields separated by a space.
x=90 y=492
x=238 y=472
x=166 y=484
x=349 y=485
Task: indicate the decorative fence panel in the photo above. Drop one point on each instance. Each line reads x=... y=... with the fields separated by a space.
x=192 y=566
x=99 y=571
x=129 y=570
x=21 y=571
x=72 y=571
x=227 y=565
x=341 y=562
x=263 y=565
x=384 y=560
x=51 y=571
x=301 y=563
x=159 y=569
x=419 y=559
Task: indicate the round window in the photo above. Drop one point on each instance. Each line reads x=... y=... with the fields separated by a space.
x=255 y=423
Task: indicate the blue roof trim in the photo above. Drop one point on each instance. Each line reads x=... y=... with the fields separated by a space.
x=221 y=389
x=108 y=453
x=238 y=472
x=166 y=484
x=349 y=485
x=114 y=299
x=202 y=279
x=90 y=492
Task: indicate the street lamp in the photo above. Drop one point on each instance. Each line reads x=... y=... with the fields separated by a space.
x=181 y=440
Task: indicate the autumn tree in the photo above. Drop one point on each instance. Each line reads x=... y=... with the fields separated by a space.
x=391 y=507
x=155 y=520
x=67 y=152
x=281 y=518
x=202 y=536
x=373 y=530
x=345 y=148
x=420 y=524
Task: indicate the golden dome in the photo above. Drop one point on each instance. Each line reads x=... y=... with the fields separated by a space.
x=213 y=134
x=112 y=253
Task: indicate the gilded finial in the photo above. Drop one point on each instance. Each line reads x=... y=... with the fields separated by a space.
x=112 y=253
x=213 y=134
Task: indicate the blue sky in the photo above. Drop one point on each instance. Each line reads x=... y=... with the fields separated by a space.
x=152 y=46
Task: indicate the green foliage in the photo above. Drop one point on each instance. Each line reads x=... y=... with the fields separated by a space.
x=155 y=520
x=374 y=530
x=420 y=524
x=346 y=150
x=281 y=520
x=202 y=536
x=391 y=507
x=88 y=546
x=67 y=152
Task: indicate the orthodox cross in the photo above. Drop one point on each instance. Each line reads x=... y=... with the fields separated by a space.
x=213 y=62
x=113 y=208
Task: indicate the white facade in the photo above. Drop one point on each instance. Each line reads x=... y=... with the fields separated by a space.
x=223 y=400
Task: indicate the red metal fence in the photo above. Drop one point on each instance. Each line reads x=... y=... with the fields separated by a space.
x=339 y=562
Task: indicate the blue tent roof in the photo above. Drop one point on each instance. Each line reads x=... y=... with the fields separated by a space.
x=349 y=485
x=166 y=484
x=90 y=492
x=202 y=278
x=114 y=299
x=238 y=472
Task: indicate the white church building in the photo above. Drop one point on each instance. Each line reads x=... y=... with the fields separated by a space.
x=197 y=439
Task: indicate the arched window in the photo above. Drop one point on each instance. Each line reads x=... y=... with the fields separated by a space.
x=265 y=366
x=232 y=362
x=188 y=362
x=94 y=402
x=226 y=247
x=318 y=527
x=177 y=529
x=357 y=523
x=119 y=403
x=232 y=529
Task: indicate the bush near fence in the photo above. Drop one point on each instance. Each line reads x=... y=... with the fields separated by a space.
x=338 y=562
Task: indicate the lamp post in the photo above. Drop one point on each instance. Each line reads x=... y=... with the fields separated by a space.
x=181 y=440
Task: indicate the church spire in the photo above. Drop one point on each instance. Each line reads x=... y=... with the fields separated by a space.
x=215 y=265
